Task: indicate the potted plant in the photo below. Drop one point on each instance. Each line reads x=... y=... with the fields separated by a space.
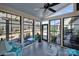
x=53 y=40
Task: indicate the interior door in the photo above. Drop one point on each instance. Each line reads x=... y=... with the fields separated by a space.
x=45 y=32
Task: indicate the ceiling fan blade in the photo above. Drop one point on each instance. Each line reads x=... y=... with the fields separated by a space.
x=54 y=4
x=52 y=10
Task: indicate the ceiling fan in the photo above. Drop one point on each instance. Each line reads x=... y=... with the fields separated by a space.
x=47 y=6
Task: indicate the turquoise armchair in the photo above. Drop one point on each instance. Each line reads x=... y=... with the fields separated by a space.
x=14 y=47
x=72 y=52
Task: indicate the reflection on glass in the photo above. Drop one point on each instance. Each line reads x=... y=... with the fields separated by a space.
x=55 y=31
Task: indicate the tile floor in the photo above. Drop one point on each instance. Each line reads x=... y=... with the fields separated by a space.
x=44 y=49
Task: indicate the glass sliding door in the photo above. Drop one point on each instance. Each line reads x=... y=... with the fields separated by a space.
x=45 y=32
x=67 y=31
x=71 y=32
x=75 y=33
x=55 y=31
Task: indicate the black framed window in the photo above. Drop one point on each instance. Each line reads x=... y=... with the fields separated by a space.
x=28 y=28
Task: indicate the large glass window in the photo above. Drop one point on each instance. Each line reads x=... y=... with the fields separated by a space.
x=28 y=28
x=36 y=27
x=2 y=25
x=55 y=31
x=15 y=29
x=2 y=28
x=9 y=27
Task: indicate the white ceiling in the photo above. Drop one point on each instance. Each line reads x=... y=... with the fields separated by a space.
x=29 y=8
